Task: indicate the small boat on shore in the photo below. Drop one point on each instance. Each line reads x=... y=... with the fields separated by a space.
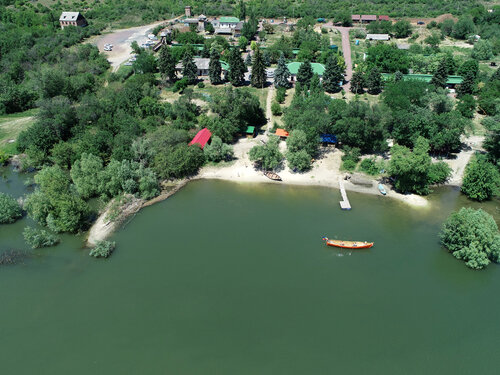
x=272 y=176
x=348 y=244
x=382 y=189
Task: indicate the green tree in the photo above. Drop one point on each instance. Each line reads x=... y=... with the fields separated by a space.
x=305 y=73
x=241 y=11
x=258 y=70
x=85 y=174
x=374 y=81
x=166 y=64
x=333 y=75
x=463 y=28
x=472 y=236
x=468 y=85
x=218 y=151
x=299 y=160
x=267 y=156
x=55 y=204
x=433 y=40
x=214 y=68
x=243 y=43
x=402 y=29
x=189 y=69
x=441 y=75
x=102 y=249
x=237 y=68
x=145 y=63
x=481 y=179
x=482 y=50
x=466 y=106
x=282 y=74
x=492 y=141
x=410 y=169
x=357 y=82
x=10 y=210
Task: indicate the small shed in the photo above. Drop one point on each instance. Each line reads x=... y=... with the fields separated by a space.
x=383 y=18
x=201 y=138
x=282 y=133
x=383 y=37
x=356 y=18
x=367 y=18
x=328 y=138
x=250 y=132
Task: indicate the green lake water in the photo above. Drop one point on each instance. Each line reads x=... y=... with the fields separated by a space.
x=226 y=278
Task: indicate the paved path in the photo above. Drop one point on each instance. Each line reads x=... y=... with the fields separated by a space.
x=346 y=49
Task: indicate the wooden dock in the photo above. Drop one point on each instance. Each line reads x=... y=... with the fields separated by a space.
x=344 y=203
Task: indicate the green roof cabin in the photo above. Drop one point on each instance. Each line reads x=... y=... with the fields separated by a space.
x=293 y=67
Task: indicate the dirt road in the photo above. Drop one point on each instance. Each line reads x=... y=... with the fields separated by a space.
x=346 y=48
x=121 y=41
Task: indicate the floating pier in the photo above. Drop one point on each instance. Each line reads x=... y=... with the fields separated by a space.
x=344 y=203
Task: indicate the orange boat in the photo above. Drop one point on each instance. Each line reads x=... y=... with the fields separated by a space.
x=348 y=244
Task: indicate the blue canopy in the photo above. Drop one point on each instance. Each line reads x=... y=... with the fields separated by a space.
x=328 y=138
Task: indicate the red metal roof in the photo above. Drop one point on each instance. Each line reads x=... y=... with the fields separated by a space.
x=383 y=18
x=282 y=133
x=368 y=17
x=201 y=137
x=355 y=17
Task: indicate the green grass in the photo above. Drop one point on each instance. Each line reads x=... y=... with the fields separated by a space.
x=10 y=127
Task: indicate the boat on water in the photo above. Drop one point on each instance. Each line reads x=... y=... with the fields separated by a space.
x=272 y=176
x=382 y=189
x=348 y=244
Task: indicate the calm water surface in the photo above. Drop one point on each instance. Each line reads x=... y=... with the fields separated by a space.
x=234 y=279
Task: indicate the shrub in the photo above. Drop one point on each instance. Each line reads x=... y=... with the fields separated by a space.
x=102 y=249
x=299 y=160
x=10 y=210
x=359 y=33
x=218 y=151
x=439 y=173
x=276 y=109
x=349 y=165
x=481 y=180
x=369 y=166
x=4 y=157
x=201 y=85
x=280 y=95
x=181 y=84
x=38 y=238
x=351 y=153
x=472 y=236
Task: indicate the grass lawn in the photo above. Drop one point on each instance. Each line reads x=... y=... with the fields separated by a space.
x=10 y=127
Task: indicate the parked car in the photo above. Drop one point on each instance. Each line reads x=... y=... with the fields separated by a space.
x=420 y=23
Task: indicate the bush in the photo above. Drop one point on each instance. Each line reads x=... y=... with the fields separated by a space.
x=10 y=210
x=349 y=165
x=439 y=173
x=369 y=166
x=359 y=33
x=481 y=180
x=276 y=109
x=181 y=84
x=4 y=157
x=103 y=249
x=299 y=160
x=218 y=151
x=472 y=236
x=201 y=85
x=280 y=95
x=38 y=238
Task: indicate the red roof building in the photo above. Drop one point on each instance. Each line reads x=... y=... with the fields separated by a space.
x=282 y=133
x=356 y=17
x=201 y=138
x=383 y=18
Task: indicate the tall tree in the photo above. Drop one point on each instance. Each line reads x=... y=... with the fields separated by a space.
x=374 y=81
x=281 y=74
x=481 y=180
x=214 y=68
x=357 y=82
x=468 y=85
x=305 y=73
x=333 y=75
x=242 y=10
x=258 y=70
x=237 y=68
x=441 y=75
x=189 y=69
x=166 y=64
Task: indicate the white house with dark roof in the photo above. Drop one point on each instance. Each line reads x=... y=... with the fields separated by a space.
x=72 y=19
